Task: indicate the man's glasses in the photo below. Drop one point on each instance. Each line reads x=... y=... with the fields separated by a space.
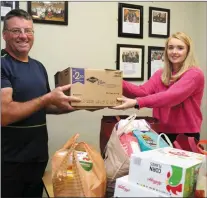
x=18 y=31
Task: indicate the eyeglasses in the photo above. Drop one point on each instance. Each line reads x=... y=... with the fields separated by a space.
x=18 y=31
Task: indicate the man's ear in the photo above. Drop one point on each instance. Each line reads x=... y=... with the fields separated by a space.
x=4 y=35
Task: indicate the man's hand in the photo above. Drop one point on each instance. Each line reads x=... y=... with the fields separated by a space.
x=60 y=100
x=126 y=103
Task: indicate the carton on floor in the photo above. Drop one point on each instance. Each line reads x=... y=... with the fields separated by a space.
x=172 y=172
x=125 y=188
x=97 y=88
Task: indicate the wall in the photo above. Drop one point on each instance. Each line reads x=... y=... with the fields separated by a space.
x=90 y=41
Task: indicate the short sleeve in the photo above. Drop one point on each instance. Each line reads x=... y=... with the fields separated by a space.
x=5 y=81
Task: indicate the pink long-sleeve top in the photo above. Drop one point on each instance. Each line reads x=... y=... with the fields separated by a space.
x=177 y=106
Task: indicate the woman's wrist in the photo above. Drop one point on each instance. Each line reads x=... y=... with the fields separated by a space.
x=136 y=105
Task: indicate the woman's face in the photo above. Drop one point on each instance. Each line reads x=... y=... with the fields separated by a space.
x=177 y=51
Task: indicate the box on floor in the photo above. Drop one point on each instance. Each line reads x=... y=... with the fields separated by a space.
x=125 y=188
x=170 y=171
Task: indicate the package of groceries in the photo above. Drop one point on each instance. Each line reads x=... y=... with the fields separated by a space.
x=78 y=171
x=169 y=171
x=129 y=143
x=116 y=158
x=120 y=146
x=149 y=140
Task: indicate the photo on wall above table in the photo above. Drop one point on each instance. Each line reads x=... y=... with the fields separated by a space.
x=159 y=22
x=155 y=59
x=49 y=12
x=130 y=60
x=130 y=20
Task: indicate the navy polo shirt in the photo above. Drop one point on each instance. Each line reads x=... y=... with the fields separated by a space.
x=27 y=139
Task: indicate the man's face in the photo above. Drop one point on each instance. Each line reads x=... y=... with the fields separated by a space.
x=18 y=35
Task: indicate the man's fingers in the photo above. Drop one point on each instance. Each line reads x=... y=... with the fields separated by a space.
x=67 y=106
x=65 y=87
x=73 y=99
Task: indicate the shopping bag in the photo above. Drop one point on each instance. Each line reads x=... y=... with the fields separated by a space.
x=201 y=148
x=116 y=158
x=78 y=171
x=108 y=123
x=187 y=143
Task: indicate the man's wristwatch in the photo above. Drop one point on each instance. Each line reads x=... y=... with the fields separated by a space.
x=136 y=106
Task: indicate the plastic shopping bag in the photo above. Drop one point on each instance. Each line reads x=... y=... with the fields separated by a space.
x=78 y=171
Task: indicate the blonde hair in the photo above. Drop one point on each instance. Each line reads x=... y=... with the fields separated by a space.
x=190 y=60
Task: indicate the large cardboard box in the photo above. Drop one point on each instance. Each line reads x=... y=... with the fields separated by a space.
x=125 y=188
x=170 y=171
x=97 y=88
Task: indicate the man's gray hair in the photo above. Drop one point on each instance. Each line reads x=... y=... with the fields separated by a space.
x=16 y=13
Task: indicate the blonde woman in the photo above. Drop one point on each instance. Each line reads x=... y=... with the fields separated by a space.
x=174 y=92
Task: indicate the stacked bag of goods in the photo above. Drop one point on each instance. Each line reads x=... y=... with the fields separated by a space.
x=129 y=136
x=78 y=171
x=163 y=172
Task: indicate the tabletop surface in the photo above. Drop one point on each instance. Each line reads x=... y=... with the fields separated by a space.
x=47 y=179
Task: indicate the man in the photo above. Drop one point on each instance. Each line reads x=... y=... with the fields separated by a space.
x=25 y=100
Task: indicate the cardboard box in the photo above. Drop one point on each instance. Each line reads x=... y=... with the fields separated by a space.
x=125 y=188
x=97 y=88
x=170 y=171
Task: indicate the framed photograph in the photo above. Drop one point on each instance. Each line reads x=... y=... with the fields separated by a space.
x=130 y=60
x=159 y=22
x=130 y=20
x=7 y=6
x=49 y=12
x=155 y=59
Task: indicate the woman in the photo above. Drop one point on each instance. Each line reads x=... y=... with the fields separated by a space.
x=174 y=92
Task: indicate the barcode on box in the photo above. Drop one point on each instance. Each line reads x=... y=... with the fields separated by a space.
x=137 y=161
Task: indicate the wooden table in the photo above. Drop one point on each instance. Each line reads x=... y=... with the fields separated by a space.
x=47 y=181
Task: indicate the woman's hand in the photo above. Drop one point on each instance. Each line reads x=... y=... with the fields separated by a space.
x=126 y=103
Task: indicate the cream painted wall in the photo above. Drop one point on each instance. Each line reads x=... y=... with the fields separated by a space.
x=90 y=41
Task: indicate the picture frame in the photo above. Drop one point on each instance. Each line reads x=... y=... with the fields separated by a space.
x=130 y=60
x=155 y=59
x=159 y=22
x=7 y=6
x=130 y=20
x=49 y=12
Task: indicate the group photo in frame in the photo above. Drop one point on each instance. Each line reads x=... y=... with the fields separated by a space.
x=159 y=22
x=130 y=60
x=130 y=20
x=155 y=59
x=49 y=12
x=7 y=6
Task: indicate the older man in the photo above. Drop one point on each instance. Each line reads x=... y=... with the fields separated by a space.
x=25 y=100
